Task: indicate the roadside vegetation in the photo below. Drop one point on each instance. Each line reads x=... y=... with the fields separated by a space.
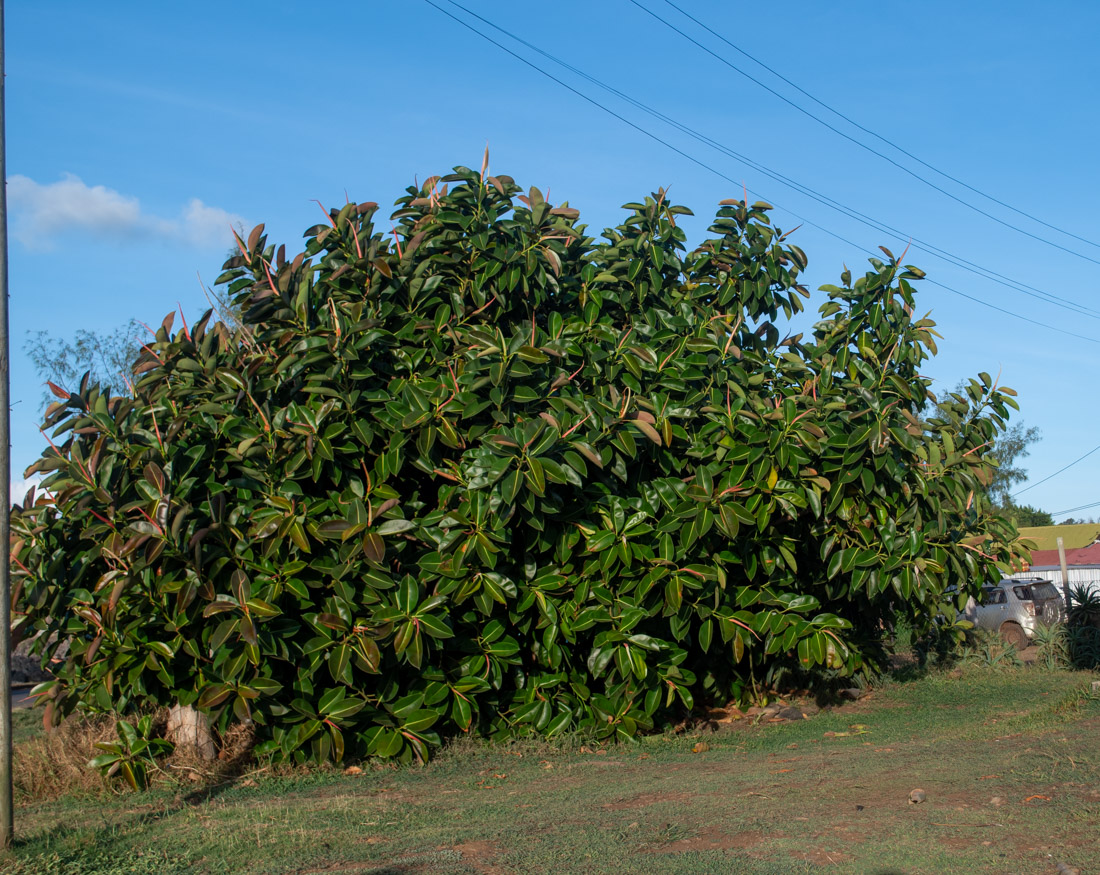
x=580 y=520
x=1004 y=754
x=491 y=475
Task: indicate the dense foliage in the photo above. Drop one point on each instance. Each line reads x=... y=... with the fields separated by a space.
x=490 y=474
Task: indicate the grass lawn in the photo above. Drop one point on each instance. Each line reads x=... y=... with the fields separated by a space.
x=1009 y=762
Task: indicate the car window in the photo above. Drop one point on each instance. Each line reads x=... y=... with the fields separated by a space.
x=993 y=597
x=1044 y=591
x=1023 y=593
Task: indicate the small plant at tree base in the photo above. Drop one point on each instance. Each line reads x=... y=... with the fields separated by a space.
x=942 y=641
x=903 y=637
x=482 y=472
x=133 y=754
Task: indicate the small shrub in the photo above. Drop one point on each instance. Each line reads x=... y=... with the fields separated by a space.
x=988 y=649
x=1084 y=606
x=1052 y=642
x=1084 y=647
x=942 y=643
x=903 y=635
x=1083 y=627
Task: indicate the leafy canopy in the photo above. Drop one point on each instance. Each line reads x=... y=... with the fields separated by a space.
x=491 y=474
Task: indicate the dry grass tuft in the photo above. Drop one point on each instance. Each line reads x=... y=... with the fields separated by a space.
x=235 y=750
x=55 y=764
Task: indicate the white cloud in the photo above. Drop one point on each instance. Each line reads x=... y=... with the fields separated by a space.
x=44 y=212
x=20 y=486
x=208 y=226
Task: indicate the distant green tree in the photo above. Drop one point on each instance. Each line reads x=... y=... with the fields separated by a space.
x=1028 y=516
x=1009 y=447
x=108 y=357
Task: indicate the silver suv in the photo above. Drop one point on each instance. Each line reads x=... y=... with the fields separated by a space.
x=1013 y=607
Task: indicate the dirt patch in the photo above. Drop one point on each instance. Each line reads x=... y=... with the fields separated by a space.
x=712 y=839
x=480 y=856
x=643 y=800
x=821 y=857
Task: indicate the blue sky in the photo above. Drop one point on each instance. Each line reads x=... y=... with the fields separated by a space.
x=138 y=132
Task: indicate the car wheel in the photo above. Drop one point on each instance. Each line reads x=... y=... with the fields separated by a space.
x=1013 y=634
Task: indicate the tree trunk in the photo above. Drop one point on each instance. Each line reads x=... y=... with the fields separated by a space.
x=188 y=729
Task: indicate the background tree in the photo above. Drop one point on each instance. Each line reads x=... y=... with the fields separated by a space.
x=108 y=357
x=1026 y=515
x=1008 y=449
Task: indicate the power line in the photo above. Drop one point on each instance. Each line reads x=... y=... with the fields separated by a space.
x=876 y=135
x=717 y=172
x=1075 y=509
x=1056 y=473
x=877 y=225
x=860 y=143
x=1015 y=315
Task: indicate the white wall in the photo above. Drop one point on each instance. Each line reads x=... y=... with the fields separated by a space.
x=1087 y=575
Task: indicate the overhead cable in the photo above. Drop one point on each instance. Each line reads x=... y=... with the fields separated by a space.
x=714 y=170
x=850 y=212
x=1059 y=471
x=860 y=143
x=1075 y=509
x=875 y=134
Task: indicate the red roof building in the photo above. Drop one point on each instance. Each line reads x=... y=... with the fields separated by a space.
x=1089 y=555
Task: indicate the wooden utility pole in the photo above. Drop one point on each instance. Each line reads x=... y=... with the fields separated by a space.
x=1065 y=573
x=6 y=813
